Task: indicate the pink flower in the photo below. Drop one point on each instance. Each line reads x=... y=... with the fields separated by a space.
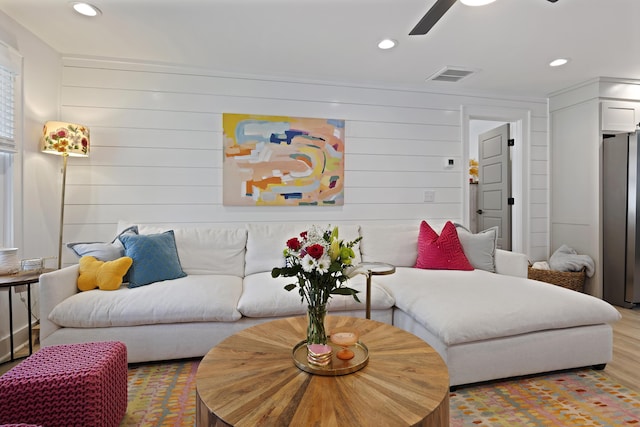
x=61 y=133
x=315 y=251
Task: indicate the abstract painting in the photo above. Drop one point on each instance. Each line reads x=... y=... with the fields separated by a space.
x=282 y=161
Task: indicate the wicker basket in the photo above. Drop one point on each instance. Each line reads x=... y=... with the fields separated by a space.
x=566 y=279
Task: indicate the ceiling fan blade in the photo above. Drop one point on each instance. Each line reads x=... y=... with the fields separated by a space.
x=432 y=16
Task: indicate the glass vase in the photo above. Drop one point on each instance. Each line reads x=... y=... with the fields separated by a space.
x=316 y=333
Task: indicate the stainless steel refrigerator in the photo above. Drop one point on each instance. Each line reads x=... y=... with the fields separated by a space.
x=621 y=219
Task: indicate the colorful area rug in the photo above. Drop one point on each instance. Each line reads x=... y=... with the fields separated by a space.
x=571 y=398
x=163 y=394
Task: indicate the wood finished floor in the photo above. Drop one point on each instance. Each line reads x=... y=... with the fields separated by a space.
x=624 y=368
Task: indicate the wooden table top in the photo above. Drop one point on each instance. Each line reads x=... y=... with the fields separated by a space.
x=22 y=278
x=250 y=379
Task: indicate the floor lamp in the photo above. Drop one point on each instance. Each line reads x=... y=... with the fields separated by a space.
x=64 y=139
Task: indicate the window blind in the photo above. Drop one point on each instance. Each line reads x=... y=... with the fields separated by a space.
x=7 y=108
x=10 y=66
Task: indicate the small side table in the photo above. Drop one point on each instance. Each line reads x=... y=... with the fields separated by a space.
x=374 y=269
x=12 y=281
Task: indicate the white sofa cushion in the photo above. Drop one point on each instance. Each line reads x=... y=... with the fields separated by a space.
x=197 y=298
x=466 y=306
x=265 y=243
x=205 y=250
x=396 y=244
x=264 y=296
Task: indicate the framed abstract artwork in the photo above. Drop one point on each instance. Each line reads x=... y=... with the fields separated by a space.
x=282 y=161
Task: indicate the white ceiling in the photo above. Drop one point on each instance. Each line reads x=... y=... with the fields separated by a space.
x=509 y=42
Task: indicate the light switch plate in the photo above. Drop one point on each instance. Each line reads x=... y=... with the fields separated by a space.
x=429 y=196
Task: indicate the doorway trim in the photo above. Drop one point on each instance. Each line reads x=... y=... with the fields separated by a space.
x=521 y=132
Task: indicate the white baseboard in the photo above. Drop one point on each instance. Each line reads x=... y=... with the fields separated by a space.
x=20 y=341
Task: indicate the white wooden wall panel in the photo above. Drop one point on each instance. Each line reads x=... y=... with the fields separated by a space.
x=538 y=167
x=540 y=224
x=156 y=147
x=186 y=214
x=143 y=194
x=539 y=190
x=366 y=162
x=85 y=72
x=391 y=130
x=399 y=196
x=538 y=182
x=216 y=104
x=141 y=175
x=377 y=146
x=201 y=195
x=139 y=118
x=401 y=179
x=538 y=196
x=150 y=138
x=162 y=157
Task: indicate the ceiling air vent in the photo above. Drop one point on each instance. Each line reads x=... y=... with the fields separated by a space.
x=450 y=74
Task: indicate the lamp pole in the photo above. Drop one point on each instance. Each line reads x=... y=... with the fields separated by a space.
x=65 y=156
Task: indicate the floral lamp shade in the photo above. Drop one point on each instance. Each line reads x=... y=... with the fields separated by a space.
x=63 y=139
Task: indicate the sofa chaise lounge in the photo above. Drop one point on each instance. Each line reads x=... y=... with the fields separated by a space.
x=485 y=324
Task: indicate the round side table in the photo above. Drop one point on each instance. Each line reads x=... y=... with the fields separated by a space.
x=374 y=269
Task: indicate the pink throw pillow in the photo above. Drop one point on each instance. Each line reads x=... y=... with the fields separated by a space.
x=442 y=252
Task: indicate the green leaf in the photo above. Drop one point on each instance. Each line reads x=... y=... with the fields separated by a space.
x=290 y=286
x=345 y=291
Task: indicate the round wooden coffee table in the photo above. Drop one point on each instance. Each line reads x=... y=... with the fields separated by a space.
x=250 y=379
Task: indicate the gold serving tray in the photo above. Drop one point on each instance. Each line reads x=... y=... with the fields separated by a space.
x=336 y=366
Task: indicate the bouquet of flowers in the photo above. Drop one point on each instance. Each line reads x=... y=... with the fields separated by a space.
x=473 y=170
x=321 y=263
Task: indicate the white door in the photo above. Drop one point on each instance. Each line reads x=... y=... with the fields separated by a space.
x=494 y=183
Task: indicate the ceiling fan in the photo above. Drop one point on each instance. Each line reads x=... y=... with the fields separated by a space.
x=434 y=14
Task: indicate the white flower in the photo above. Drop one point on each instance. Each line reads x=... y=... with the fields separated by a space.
x=315 y=236
x=323 y=264
x=308 y=263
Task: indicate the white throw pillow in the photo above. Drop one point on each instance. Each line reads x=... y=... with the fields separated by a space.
x=480 y=248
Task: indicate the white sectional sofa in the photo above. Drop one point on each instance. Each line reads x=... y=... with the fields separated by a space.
x=485 y=325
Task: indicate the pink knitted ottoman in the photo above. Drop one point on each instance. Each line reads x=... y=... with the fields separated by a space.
x=67 y=385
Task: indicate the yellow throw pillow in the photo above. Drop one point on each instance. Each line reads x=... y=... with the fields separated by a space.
x=106 y=276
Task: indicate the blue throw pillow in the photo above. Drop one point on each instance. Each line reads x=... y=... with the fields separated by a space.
x=155 y=258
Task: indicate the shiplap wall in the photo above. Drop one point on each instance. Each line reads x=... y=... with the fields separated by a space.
x=538 y=188
x=156 y=148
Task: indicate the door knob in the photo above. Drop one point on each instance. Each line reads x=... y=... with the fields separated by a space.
x=479 y=211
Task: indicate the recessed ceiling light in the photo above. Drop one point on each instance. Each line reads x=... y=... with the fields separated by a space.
x=476 y=2
x=558 y=62
x=86 y=9
x=387 y=44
